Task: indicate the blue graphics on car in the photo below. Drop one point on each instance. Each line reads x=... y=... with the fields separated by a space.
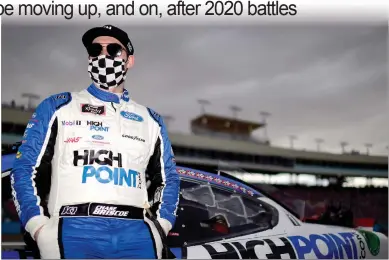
x=131 y=116
x=97 y=137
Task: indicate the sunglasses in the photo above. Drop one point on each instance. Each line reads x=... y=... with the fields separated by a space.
x=113 y=49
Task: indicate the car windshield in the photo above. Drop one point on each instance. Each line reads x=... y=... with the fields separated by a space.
x=237 y=209
x=210 y=212
x=295 y=205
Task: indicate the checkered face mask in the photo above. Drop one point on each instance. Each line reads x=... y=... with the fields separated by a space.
x=107 y=72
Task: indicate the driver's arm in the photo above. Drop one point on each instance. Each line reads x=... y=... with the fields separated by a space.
x=33 y=159
x=162 y=172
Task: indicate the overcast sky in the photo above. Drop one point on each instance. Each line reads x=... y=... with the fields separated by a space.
x=324 y=81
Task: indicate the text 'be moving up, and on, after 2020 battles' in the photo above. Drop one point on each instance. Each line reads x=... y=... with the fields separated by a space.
x=178 y=8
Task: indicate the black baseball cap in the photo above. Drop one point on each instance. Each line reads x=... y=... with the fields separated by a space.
x=108 y=30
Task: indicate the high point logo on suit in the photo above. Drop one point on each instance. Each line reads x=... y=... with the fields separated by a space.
x=131 y=116
x=105 y=173
x=97 y=126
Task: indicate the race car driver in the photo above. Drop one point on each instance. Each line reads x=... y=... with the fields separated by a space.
x=101 y=148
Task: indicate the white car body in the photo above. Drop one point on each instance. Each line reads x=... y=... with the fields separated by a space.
x=291 y=238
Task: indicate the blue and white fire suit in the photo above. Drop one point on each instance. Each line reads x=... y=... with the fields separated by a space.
x=101 y=149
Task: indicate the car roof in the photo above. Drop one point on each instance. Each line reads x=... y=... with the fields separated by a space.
x=217 y=180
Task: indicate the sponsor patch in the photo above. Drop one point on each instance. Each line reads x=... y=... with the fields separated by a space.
x=72 y=140
x=125 y=96
x=97 y=126
x=18 y=155
x=135 y=138
x=109 y=211
x=69 y=210
x=105 y=167
x=60 y=97
x=372 y=241
x=33 y=118
x=96 y=110
x=131 y=116
x=98 y=137
x=71 y=123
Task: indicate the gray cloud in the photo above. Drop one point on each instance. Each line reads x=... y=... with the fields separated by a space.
x=325 y=81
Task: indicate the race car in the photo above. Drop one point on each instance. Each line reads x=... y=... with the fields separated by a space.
x=222 y=217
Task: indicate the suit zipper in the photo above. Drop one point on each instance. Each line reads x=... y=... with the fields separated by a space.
x=113 y=106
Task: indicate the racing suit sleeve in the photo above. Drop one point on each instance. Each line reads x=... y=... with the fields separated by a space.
x=33 y=161
x=163 y=174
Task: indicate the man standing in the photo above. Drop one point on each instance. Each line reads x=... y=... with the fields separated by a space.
x=101 y=149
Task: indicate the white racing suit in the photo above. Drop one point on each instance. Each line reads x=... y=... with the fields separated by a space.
x=100 y=150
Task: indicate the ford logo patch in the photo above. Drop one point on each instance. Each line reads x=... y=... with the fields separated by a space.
x=131 y=116
x=98 y=137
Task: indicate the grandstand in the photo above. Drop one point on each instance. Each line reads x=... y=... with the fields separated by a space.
x=215 y=138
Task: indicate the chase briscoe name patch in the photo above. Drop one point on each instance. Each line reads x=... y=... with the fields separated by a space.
x=109 y=211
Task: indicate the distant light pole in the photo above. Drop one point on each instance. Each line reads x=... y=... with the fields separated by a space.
x=30 y=97
x=318 y=141
x=368 y=146
x=235 y=110
x=343 y=144
x=203 y=103
x=264 y=116
x=291 y=139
